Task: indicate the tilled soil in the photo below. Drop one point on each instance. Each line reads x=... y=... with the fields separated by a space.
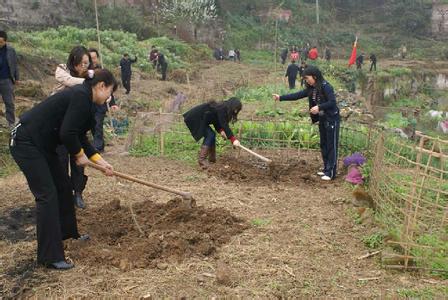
x=249 y=236
x=149 y=234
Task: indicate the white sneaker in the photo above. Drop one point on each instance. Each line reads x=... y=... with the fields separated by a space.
x=326 y=178
x=320 y=173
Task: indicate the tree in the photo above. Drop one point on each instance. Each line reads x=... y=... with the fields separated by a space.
x=196 y=12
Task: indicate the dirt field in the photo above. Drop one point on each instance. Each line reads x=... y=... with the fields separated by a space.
x=250 y=235
x=253 y=231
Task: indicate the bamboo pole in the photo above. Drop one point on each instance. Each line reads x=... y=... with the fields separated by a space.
x=98 y=32
x=161 y=134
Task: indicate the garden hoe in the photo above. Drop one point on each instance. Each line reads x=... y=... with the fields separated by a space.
x=273 y=170
x=188 y=199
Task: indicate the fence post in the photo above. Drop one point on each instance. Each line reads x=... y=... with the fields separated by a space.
x=409 y=222
x=162 y=142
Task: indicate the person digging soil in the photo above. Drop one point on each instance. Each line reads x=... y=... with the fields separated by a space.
x=219 y=114
x=64 y=117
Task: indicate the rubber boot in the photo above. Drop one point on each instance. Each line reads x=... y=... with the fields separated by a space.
x=202 y=159
x=212 y=155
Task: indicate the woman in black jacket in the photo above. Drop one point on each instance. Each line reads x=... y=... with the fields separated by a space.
x=218 y=114
x=323 y=109
x=63 y=118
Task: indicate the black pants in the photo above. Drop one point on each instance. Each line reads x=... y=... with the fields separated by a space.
x=126 y=80
x=98 y=132
x=329 y=141
x=373 y=66
x=164 y=68
x=7 y=93
x=77 y=178
x=50 y=185
x=292 y=83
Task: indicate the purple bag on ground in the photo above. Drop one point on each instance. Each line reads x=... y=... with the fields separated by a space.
x=354 y=175
x=356 y=159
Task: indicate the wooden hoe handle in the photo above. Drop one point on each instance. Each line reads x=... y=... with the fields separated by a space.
x=150 y=184
x=255 y=154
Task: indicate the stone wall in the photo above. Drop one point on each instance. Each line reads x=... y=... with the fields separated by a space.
x=36 y=13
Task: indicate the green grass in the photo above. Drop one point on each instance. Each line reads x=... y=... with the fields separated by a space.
x=373 y=241
x=440 y=292
x=258 y=222
x=57 y=42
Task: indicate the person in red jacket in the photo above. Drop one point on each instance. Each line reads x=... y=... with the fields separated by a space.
x=313 y=54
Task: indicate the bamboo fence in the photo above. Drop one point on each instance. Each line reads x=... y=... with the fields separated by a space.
x=408 y=179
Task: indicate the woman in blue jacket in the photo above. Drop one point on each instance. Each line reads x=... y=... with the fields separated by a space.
x=323 y=109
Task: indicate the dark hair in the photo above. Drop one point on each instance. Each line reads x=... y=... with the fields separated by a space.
x=231 y=107
x=125 y=54
x=3 y=35
x=75 y=58
x=317 y=75
x=94 y=50
x=103 y=75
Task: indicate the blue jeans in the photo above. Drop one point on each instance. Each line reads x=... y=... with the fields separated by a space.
x=209 y=137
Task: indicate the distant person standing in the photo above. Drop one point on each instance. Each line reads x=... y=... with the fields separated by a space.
x=291 y=74
x=359 y=61
x=100 y=109
x=68 y=75
x=238 y=55
x=305 y=51
x=302 y=68
x=216 y=54
x=9 y=75
x=162 y=64
x=221 y=54
x=232 y=54
x=294 y=56
x=404 y=52
x=313 y=54
x=327 y=54
x=284 y=55
x=126 y=71
x=372 y=62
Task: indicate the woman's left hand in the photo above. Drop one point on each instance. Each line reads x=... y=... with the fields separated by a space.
x=223 y=134
x=314 y=110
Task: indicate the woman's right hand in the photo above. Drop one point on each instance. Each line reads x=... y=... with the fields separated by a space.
x=82 y=160
x=276 y=97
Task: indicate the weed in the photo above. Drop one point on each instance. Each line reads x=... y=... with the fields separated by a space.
x=373 y=241
x=257 y=222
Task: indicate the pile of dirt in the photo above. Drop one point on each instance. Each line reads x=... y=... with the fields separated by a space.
x=247 y=169
x=151 y=235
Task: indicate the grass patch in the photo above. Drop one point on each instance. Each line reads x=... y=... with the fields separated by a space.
x=257 y=222
x=440 y=292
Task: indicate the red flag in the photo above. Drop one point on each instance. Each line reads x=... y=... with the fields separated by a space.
x=352 y=59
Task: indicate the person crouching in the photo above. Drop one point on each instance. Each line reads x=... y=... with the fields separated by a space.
x=219 y=114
